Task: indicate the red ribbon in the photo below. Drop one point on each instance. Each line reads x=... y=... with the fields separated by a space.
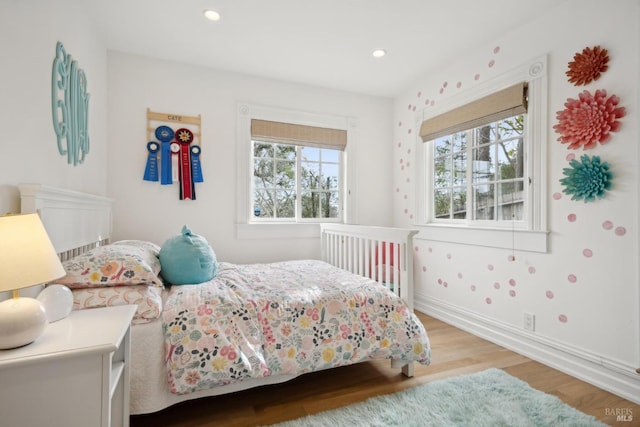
x=185 y=137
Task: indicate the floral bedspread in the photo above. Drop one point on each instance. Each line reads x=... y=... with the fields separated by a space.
x=292 y=317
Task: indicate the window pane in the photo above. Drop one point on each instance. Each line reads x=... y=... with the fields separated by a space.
x=442 y=172
x=483 y=164
x=460 y=168
x=263 y=203
x=459 y=141
x=262 y=149
x=510 y=159
x=310 y=204
x=442 y=203
x=329 y=204
x=310 y=153
x=320 y=204
x=460 y=202
x=484 y=134
x=483 y=201
x=442 y=146
x=332 y=156
x=286 y=204
x=287 y=152
x=511 y=201
x=511 y=127
x=310 y=176
x=263 y=173
x=285 y=175
x=330 y=176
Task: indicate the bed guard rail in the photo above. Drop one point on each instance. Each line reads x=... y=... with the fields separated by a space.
x=384 y=254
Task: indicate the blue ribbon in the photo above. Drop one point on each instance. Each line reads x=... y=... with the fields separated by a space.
x=196 y=170
x=165 y=135
x=151 y=170
x=165 y=169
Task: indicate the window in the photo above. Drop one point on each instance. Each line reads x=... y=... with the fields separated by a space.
x=293 y=182
x=484 y=156
x=488 y=188
x=293 y=171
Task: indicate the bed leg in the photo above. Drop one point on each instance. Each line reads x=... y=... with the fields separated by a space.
x=407 y=367
x=407 y=370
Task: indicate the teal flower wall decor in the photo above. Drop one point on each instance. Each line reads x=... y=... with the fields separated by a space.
x=587 y=179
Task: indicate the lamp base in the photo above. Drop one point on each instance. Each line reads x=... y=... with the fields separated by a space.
x=22 y=321
x=57 y=301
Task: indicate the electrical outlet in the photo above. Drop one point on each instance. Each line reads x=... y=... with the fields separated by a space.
x=529 y=322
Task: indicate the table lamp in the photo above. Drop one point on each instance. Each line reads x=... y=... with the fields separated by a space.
x=27 y=258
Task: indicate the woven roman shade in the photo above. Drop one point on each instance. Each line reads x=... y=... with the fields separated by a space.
x=499 y=105
x=287 y=133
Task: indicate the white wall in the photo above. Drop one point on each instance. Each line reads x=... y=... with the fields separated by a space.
x=147 y=210
x=601 y=307
x=594 y=320
x=29 y=31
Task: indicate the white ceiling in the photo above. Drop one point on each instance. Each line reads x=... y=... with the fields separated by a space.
x=326 y=43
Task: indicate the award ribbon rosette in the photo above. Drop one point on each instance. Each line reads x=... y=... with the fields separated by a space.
x=174 y=151
x=151 y=170
x=196 y=169
x=185 y=137
x=165 y=135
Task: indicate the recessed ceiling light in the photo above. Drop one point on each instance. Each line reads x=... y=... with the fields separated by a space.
x=212 y=15
x=379 y=53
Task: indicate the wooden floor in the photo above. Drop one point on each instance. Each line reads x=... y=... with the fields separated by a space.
x=454 y=353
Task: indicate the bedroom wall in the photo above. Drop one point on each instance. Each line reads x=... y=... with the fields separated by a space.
x=29 y=31
x=149 y=211
x=584 y=292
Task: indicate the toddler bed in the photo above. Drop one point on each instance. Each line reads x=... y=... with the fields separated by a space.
x=253 y=324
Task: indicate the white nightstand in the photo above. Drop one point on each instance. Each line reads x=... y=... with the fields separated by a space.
x=75 y=375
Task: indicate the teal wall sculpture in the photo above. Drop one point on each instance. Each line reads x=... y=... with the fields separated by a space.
x=70 y=107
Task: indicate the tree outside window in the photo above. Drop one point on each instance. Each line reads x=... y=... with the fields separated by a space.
x=295 y=182
x=491 y=186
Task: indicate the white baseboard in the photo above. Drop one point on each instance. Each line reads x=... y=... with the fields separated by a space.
x=613 y=376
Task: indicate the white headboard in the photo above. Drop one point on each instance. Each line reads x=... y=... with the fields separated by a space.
x=73 y=220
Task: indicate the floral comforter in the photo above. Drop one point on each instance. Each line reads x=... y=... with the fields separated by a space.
x=292 y=317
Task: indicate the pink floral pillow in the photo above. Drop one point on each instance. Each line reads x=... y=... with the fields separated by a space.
x=148 y=300
x=113 y=265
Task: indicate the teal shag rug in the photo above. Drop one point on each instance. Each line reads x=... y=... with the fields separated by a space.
x=490 y=398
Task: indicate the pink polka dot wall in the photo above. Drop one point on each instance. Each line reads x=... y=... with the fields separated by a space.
x=496 y=278
x=407 y=135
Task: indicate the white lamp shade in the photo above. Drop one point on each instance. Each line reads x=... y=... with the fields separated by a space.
x=57 y=301
x=27 y=256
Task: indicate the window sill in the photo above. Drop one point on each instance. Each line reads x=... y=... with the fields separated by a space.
x=520 y=240
x=285 y=230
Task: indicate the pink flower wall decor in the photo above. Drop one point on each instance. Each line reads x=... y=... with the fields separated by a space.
x=589 y=119
x=588 y=65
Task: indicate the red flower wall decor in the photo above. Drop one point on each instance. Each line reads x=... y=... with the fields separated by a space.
x=589 y=119
x=588 y=65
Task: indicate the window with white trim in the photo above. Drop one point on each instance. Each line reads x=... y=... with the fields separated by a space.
x=297 y=172
x=484 y=156
x=490 y=187
x=248 y=226
x=296 y=182
x=272 y=126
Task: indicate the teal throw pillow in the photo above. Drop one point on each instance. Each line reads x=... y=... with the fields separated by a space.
x=187 y=259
